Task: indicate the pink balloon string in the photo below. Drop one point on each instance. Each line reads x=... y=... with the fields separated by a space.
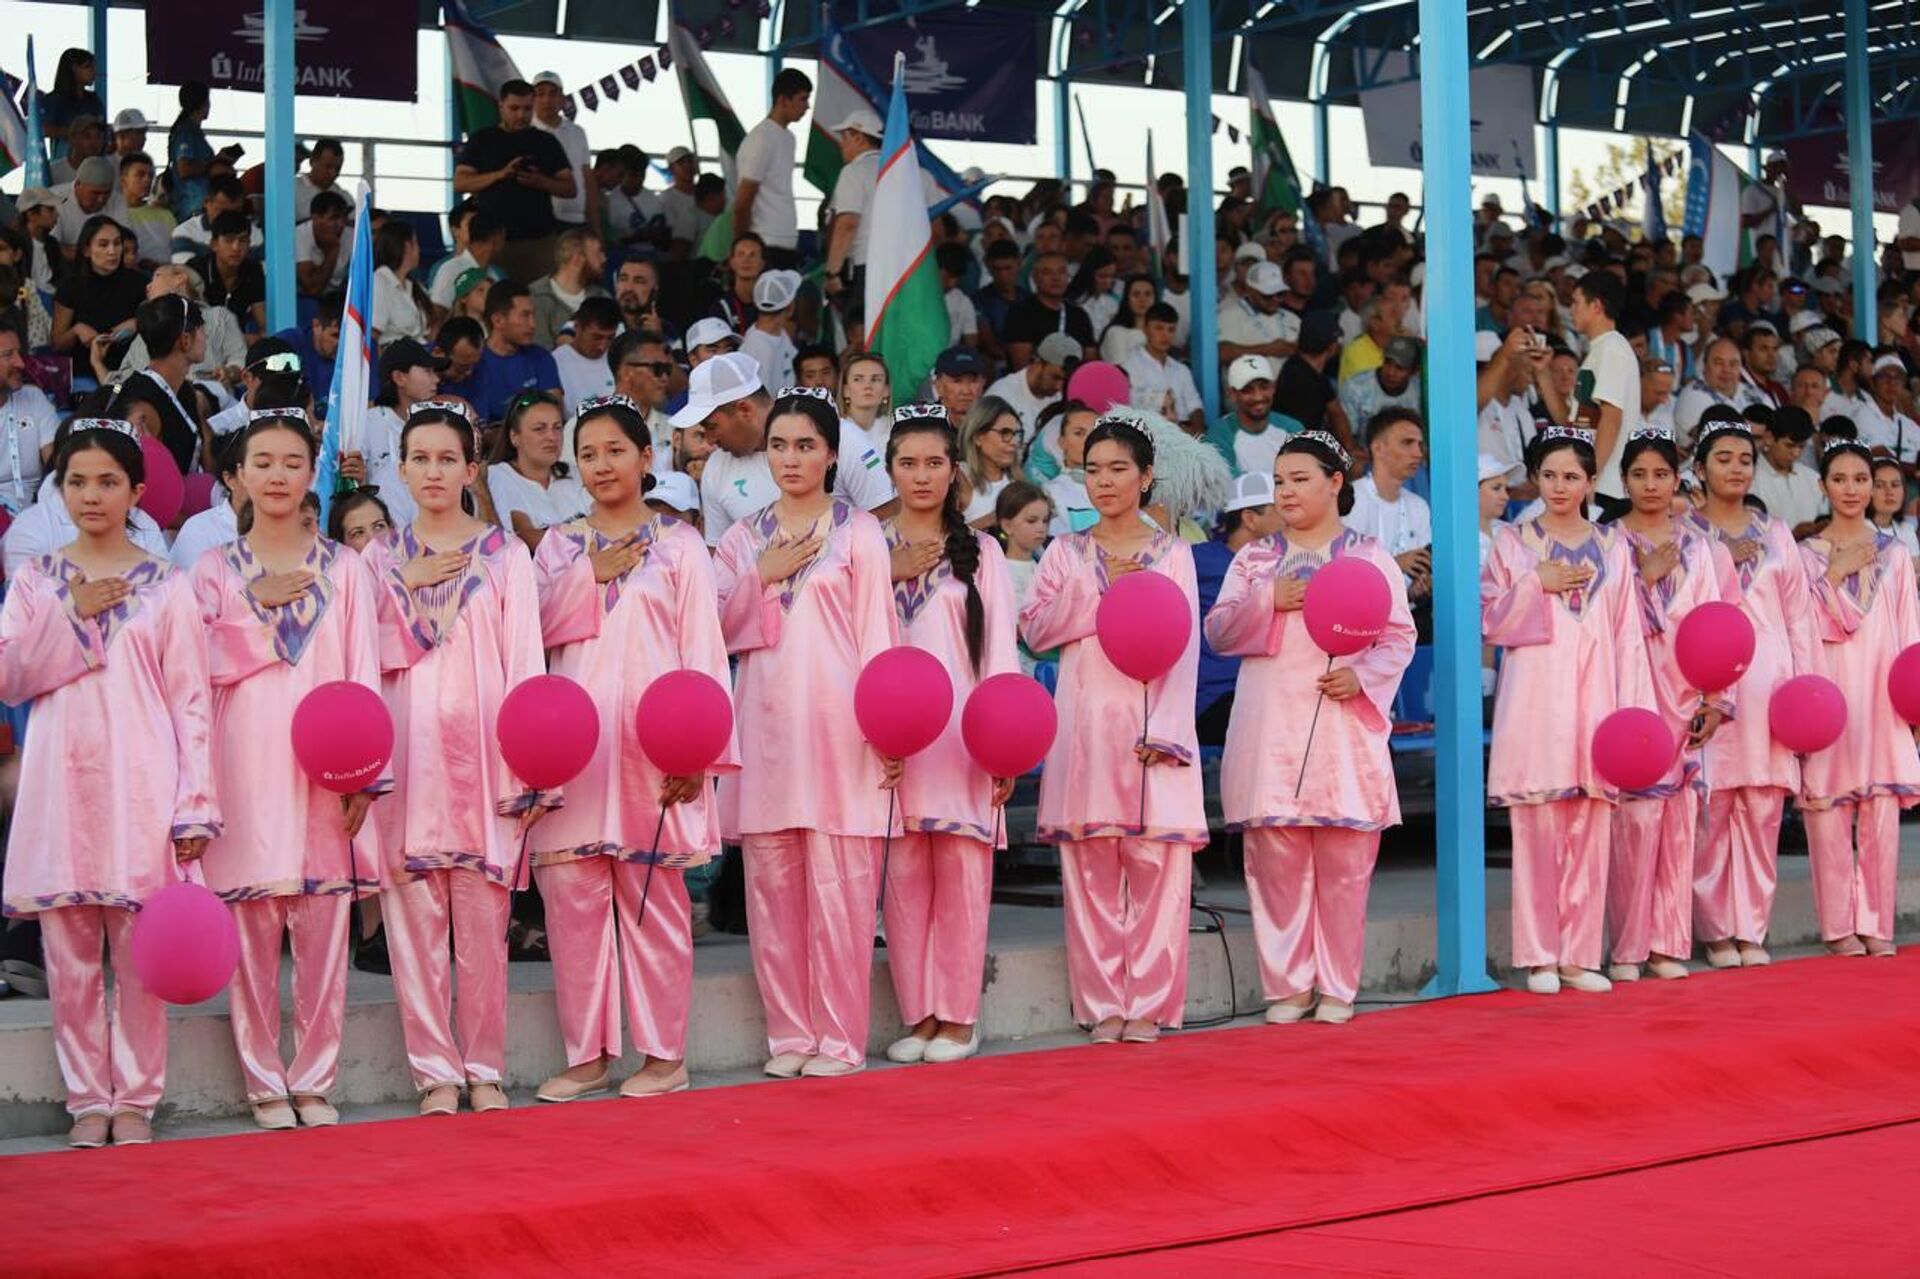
x=886 y=852
x=1146 y=717
x=653 y=860
x=1301 y=780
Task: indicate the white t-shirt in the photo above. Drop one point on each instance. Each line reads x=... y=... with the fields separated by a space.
x=303 y=192
x=1402 y=525
x=984 y=496
x=218 y=525
x=1506 y=427
x=447 y=275
x=45 y=527
x=1254 y=451
x=395 y=314
x=738 y=488
x=1794 y=497
x=561 y=500
x=380 y=448
x=685 y=219
x=1069 y=494
x=1153 y=380
x=28 y=421
x=1895 y=432
x=774 y=352
x=1759 y=198
x=1909 y=229
x=305 y=249
x=1117 y=343
x=1696 y=398
x=1020 y=398
x=580 y=379
x=572 y=138
x=1611 y=375
x=963 y=320
x=852 y=193
x=1241 y=325
x=766 y=157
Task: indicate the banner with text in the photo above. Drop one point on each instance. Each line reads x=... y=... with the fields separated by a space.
x=342 y=49
x=1817 y=170
x=969 y=75
x=1503 y=112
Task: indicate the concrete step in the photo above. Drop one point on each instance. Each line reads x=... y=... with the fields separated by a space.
x=1025 y=983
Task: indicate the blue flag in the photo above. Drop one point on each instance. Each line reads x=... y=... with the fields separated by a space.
x=35 y=163
x=353 y=369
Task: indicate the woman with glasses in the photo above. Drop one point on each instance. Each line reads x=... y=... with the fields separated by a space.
x=459 y=628
x=531 y=487
x=805 y=604
x=990 y=443
x=626 y=595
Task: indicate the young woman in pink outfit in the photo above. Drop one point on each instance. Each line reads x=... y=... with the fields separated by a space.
x=1558 y=594
x=286 y=611
x=116 y=785
x=1747 y=773
x=626 y=596
x=805 y=604
x=1127 y=881
x=1311 y=796
x=954 y=599
x=459 y=629
x=1650 y=884
x=1851 y=794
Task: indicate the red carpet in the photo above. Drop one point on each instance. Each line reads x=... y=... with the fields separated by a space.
x=1046 y=1158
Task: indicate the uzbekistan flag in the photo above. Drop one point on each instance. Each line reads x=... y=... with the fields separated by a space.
x=480 y=67
x=353 y=370
x=905 y=307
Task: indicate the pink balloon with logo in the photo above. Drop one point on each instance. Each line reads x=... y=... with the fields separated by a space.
x=1347 y=605
x=166 y=487
x=1143 y=624
x=342 y=736
x=1100 y=386
x=185 y=945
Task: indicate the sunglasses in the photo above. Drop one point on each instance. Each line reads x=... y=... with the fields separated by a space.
x=659 y=368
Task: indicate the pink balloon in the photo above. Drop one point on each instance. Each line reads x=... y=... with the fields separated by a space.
x=166 y=488
x=1714 y=645
x=1347 y=605
x=1807 y=714
x=903 y=701
x=1143 y=624
x=342 y=736
x=185 y=945
x=198 y=494
x=548 y=728
x=1008 y=725
x=685 y=720
x=1099 y=386
x=1633 y=748
x=1903 y=684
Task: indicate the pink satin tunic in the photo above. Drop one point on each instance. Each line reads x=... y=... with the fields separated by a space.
x=1862 y=625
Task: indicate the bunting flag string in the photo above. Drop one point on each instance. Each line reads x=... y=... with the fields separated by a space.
x=648 y=67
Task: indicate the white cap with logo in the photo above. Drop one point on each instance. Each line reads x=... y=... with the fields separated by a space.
x=715 y=384
x=1247 y=369
x=1253 y=489
x=676 y=491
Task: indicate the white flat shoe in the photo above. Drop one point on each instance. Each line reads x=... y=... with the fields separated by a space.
x=1754 y=956
x=786 y=1065
x=1726 y=958
x=1333 y=1012
x=907 y=1051
x=1587 y=981
x=1546 y=982
x=945 y=1050
x=1623 y=972
x=1282 y=1013
x=1667 y=969
x=831 y=1068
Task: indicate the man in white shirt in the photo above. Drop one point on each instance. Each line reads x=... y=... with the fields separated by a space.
x=1250 y=436
x=1029 y=391
x=485 y=237
x=1394 y=383
x=321 y=251
x=1719 y=383
x=1881 y=423
x=763 y=199
x=1790 y=490
x=629 y=208
x=28 y=421
x=1509 y=368
x=88 y=194
x=1383 y=507
x=1767 y=209
x=584 y=372
x=1252 y=322
x=687 y=222
x=1161 y=384
x=767 y=339
x=724 y=395
x=582 y=208
x=847 y=232
x=1607 y=393
x=323 y=170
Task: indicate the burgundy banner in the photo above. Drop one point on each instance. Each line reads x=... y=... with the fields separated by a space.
x=342 y=49
x=1817 y=168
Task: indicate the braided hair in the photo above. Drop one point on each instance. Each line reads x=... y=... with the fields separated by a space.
x=962 y=549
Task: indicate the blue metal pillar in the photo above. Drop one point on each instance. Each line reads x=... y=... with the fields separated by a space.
x=1196 y=69
x=1063 y=131
x=278 y=231
x=1866 y=313
x=1459 y=777
x=99 y=48
x=1553 y=167
x=1322 y=142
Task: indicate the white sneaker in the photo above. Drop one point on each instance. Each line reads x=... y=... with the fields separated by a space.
x=944 y=1050
x=907 y=1051
x=1585 y=979
x=1623 y=972
x=1544 y=982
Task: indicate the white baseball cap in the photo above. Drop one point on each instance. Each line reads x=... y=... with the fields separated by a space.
x=1706 y=293
x=1889 y=363
x=1248 y=369
x=1491 y=467
x=1265 y=278
x=550 y=77
x=775 y=290
x=676 y=155
x=676 y=491
x=861 y=120
x=1249 y=252
x=715 y=384
x=131 y=120
x=708 y=331
x=1255 y=488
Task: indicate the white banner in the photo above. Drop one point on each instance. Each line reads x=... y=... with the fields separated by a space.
x=1502 y=108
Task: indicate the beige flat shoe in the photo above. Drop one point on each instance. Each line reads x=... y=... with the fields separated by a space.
x=644 y=1085
x=560 y=1088
x=441 y=1099
x=1333 y=1012
x=1723 y=954
x=1585 y=979
x=1543 y=981
x=1666 y=969
x=483 y=1097
x=130 y=1128
x=1107 y=1032
x=89 y=1132
x=830 y=1068
x=1282 y=1013
x=1752 y=956
x=1623 y=972
x=1139 y=1030
x=1849 y=947
x=786 y=1065
x=274 y=1116
x=1879 y=947
x=315 y=1112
